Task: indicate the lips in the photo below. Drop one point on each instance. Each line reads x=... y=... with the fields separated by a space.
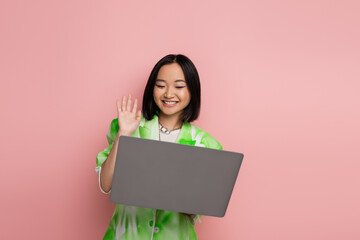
x=169 y=103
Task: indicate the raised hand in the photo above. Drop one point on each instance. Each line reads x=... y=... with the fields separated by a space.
x=128 y=119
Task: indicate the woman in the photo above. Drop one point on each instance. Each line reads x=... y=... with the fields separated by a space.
x=171 y=101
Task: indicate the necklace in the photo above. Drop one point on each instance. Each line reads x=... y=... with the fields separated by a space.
x=165 y=130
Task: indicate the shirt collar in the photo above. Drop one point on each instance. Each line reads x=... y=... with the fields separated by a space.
x=150 y=130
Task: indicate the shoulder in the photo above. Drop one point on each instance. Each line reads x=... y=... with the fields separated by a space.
x=205 y=138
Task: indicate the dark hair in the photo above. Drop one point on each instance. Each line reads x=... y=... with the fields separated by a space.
x=191 y=111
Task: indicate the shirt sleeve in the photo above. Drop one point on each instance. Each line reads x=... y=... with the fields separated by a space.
x=197 y=218
x=209 y=142
x=102 y=156
x=98 y=169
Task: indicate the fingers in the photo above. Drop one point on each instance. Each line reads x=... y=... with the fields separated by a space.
x=118 y=105
x=135 y=106
x=138 y=115
x=125 y=104
x=128 y=107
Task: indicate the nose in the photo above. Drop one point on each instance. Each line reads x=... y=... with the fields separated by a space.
x=169 y=93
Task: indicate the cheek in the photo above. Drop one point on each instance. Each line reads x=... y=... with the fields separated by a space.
x=156 y=94
x=187 y=96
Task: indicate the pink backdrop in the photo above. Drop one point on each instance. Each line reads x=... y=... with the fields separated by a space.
x=280 y=83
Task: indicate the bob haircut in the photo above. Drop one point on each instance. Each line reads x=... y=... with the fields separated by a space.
x=192 y=110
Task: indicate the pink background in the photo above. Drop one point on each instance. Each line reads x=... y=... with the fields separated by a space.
x=280 y=83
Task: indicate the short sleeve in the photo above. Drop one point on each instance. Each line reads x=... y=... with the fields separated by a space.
x=197 y=218
x=211 y=142
x=102 y=156
x=111 y=136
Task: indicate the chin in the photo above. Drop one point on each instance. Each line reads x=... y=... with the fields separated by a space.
x=169 y=113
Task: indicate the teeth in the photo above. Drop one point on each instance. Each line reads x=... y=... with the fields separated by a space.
x=169 y=102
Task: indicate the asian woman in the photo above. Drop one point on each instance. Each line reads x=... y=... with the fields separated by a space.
x=171 y=102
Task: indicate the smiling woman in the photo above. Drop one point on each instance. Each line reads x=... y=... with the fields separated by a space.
x=171 y=94
x=171 y=101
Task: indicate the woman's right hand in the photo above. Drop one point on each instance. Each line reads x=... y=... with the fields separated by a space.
x=129 y=120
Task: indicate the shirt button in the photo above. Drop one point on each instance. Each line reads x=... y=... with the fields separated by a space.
x=156 y=229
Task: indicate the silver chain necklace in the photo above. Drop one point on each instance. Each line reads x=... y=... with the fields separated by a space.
x=165 y=130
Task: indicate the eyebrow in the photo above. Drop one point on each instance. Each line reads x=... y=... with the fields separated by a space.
x=178 y=80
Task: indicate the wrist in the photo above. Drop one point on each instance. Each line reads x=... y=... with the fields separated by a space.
x=123 y=134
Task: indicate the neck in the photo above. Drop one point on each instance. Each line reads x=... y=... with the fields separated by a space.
x=170 y=122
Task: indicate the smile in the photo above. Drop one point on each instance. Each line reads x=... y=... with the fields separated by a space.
x=167 y=103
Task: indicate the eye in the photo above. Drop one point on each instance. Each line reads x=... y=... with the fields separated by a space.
x=180 y=87
x=159 y=86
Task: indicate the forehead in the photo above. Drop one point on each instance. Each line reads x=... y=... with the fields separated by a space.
x=171 y=72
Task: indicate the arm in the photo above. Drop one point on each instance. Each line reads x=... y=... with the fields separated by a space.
x=126 y=123
x=107 y=168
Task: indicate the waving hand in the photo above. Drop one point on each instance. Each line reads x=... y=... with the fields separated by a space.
x=128 y=119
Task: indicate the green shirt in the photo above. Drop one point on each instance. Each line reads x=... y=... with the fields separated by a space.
x=137 y=223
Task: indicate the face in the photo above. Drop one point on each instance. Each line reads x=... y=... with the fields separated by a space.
x=171 y=93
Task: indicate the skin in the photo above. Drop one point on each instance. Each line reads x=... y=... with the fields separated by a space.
x=170 y=86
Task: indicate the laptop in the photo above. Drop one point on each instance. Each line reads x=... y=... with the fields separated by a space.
x=174 y=177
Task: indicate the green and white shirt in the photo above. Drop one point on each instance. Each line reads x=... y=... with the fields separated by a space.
x=137 y=223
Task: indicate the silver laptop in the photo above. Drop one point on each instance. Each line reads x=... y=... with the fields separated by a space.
x=174 y=177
